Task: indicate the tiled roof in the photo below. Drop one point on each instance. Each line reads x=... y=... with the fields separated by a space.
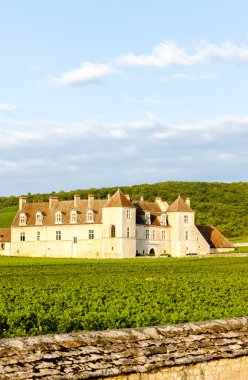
x=65 y=207
x=5 y=235
x=119 y=200
x=214 y=238
x=152 y=207
x=179 y=206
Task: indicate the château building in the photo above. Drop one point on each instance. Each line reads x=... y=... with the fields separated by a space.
x=112 y=228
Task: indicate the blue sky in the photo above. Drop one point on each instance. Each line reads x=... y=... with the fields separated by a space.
x=100 y=92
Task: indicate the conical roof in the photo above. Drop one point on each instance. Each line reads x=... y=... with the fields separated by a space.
x=119 y=200
x=179 y=206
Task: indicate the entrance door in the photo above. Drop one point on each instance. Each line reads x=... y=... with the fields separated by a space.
x=152 y=252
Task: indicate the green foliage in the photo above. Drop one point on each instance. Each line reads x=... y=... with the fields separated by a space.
x=41 y=296
x=222 y=205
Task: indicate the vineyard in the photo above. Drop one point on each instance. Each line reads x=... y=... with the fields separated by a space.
x=41 y=296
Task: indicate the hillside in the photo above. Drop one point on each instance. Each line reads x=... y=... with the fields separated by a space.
x=223 y=205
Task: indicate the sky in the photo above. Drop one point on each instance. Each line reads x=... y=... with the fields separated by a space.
x=98 y=93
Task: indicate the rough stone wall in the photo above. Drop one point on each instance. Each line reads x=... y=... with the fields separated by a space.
x=212 y=350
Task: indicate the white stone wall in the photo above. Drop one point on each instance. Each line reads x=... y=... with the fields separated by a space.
x=180 y=246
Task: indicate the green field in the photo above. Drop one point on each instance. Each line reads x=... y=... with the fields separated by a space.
x=40 y=296
x=7 y=215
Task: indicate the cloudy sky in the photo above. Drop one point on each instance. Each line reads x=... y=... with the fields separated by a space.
x=99 y=93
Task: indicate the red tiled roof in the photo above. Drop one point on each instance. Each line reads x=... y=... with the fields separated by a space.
x=152 y=207
x=119 y=200
x=179 y=206
x=214 y=238
x=65 y=207
x=5 y=235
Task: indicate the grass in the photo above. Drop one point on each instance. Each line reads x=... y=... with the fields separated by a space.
x=243 y=249
x=239 y=239
x=7 y=215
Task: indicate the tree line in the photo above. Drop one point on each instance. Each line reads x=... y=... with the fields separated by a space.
x=223 y=205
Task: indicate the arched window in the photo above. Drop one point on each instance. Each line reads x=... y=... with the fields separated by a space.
x=58 y=217
x=38 y=218
x=73 y=217
x=90 y=216
x=23 y=219
x=112 y=231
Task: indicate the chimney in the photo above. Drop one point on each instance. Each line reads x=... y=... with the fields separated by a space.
x=52 y=200
x=90 y=201
x=76 y=199
x=162 y=204
x=109 y=196
x=187 y=201
x=22 y=200
x=127 y=196
x=141 y=198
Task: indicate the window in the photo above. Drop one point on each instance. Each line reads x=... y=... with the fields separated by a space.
x=3 y=246
x=128 y=232
x=73 y=218
x=147 y=234
x=186 y=235
x=90 y=216
x=147 y=218
x=91 y=234
x=186 y=219
x=22 y=236
x=128 y=214
x=23 y=219
x=58 y=235
x=38 y=236
x=75 y=240
x=163 y=219
x=153 y=234
x=39 y=217
x=112 y=231
x=58 y=217
x=163 y=235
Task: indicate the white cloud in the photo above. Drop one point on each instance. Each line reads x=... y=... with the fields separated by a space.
x=6 y=107
x=168 y=54
x=100 y=153
x=88 y=72
x=163 y=55
x=188 y=77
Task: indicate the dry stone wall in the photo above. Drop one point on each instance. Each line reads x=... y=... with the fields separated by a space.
x=212 y=350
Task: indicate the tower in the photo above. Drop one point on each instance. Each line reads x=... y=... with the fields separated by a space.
x=119 y=227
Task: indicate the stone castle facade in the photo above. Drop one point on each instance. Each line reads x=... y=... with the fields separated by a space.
x=112 y=228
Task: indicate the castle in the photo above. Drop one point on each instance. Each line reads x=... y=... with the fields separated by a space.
x=112 y=228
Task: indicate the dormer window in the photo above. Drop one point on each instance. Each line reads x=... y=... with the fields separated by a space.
x=90 y=216
x=163 y=219
x=73 y=217
x=23 y=219
x=58 y=217
x=147 y=217
x=38 y=218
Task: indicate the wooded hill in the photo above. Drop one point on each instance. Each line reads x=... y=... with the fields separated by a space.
x=223 y=205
